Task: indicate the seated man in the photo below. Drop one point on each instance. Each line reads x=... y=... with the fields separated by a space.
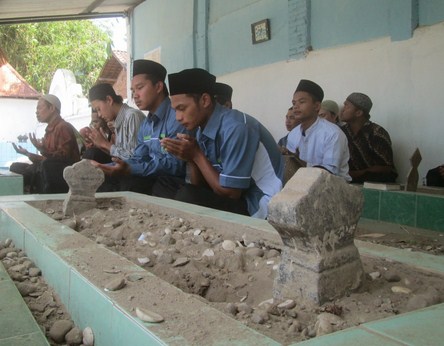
x=316 y=141
x=371 y=155
x=90 y=151
x=233 y=163
x=329 y=111
x=127 y=120
x=58 y=149
x=290 y=123
x=139 y=172
x=223 y=93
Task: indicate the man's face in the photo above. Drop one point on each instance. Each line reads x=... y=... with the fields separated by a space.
x=145 y=93
x=305 y=108
x=44 y=111
x=290 y=120
x=104 y=108
x=349 y=112
x=327 y=115
x=188 y=112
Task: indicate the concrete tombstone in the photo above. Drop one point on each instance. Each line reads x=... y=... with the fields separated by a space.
x=316 y=216
x=83 y=180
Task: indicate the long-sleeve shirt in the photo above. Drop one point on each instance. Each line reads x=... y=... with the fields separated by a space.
x=371 y=146
x=127 y=126
x=322 y=144
x=149 y=159
x=60 y=142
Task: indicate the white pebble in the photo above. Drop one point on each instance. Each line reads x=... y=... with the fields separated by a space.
x=228 y=245
x=208 y=253
x=143 y=260
x=88 y=337
x=375 y=275
x=197 y=231
x=288 y=304
x=148 y=316
x=400 y=289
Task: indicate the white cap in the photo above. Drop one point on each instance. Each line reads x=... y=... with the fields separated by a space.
x=52 y=99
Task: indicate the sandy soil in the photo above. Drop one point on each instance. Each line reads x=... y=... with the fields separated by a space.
x=234 y=271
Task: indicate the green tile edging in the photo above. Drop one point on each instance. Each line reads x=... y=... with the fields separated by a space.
x=64 y=267
x=12 y=309
x=10 y=183
x=372 y=333
x=415 y=209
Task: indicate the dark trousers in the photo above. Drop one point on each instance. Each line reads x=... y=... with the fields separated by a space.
x=128 y=183
x=377 y=177
x=31 y=176
x=97 y=155
x=43 y=177
x=176 y=188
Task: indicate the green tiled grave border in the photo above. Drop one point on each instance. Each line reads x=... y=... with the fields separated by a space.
x=15 y=219
x=406 y=208
x=10 y=183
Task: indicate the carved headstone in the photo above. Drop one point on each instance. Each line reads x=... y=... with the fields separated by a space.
x=316 y=216
x=413 y=176
x=83 y=180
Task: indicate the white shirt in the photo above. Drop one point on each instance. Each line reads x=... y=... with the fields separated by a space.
x=323 y=144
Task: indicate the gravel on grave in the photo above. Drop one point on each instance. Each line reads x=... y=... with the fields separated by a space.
x=43 y=302
x=234 y=271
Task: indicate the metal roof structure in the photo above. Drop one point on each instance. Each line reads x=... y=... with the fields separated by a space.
x=27 y=11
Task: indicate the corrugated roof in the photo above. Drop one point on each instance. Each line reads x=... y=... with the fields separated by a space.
x=26 y=11
x=12 y=84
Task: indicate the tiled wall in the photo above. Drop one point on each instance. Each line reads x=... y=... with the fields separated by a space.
x=405 y=208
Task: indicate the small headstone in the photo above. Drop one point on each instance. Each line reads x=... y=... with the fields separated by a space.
x=316 y=216
x=413 y=176
x=83 y=180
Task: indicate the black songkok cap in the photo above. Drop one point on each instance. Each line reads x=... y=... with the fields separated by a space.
x=150 y=67
x=101 y=91
x=311 y=88
x=191 y=81
x=222 y=89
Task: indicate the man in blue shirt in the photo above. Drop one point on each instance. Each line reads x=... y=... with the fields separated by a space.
x=233 y=164
x=149 y=161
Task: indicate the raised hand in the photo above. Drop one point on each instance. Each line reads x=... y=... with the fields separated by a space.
x=20 y=150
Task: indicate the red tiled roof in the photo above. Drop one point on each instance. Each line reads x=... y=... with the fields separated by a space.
x=113 y=66
x=12 y=83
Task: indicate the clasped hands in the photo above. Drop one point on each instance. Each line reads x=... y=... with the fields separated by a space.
x=185 y=147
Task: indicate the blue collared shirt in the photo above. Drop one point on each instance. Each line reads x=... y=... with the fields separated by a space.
x=149 y=159
x=246 y=156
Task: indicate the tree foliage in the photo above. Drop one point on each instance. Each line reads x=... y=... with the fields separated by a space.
x=37 y=50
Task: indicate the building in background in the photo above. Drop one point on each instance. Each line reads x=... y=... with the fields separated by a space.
x=114 y=72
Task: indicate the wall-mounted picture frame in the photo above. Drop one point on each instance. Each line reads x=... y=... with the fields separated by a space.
x=260 y=31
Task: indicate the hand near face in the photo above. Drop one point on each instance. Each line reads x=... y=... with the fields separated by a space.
x=85 y=133
x=97 y=138
x=184 y=147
